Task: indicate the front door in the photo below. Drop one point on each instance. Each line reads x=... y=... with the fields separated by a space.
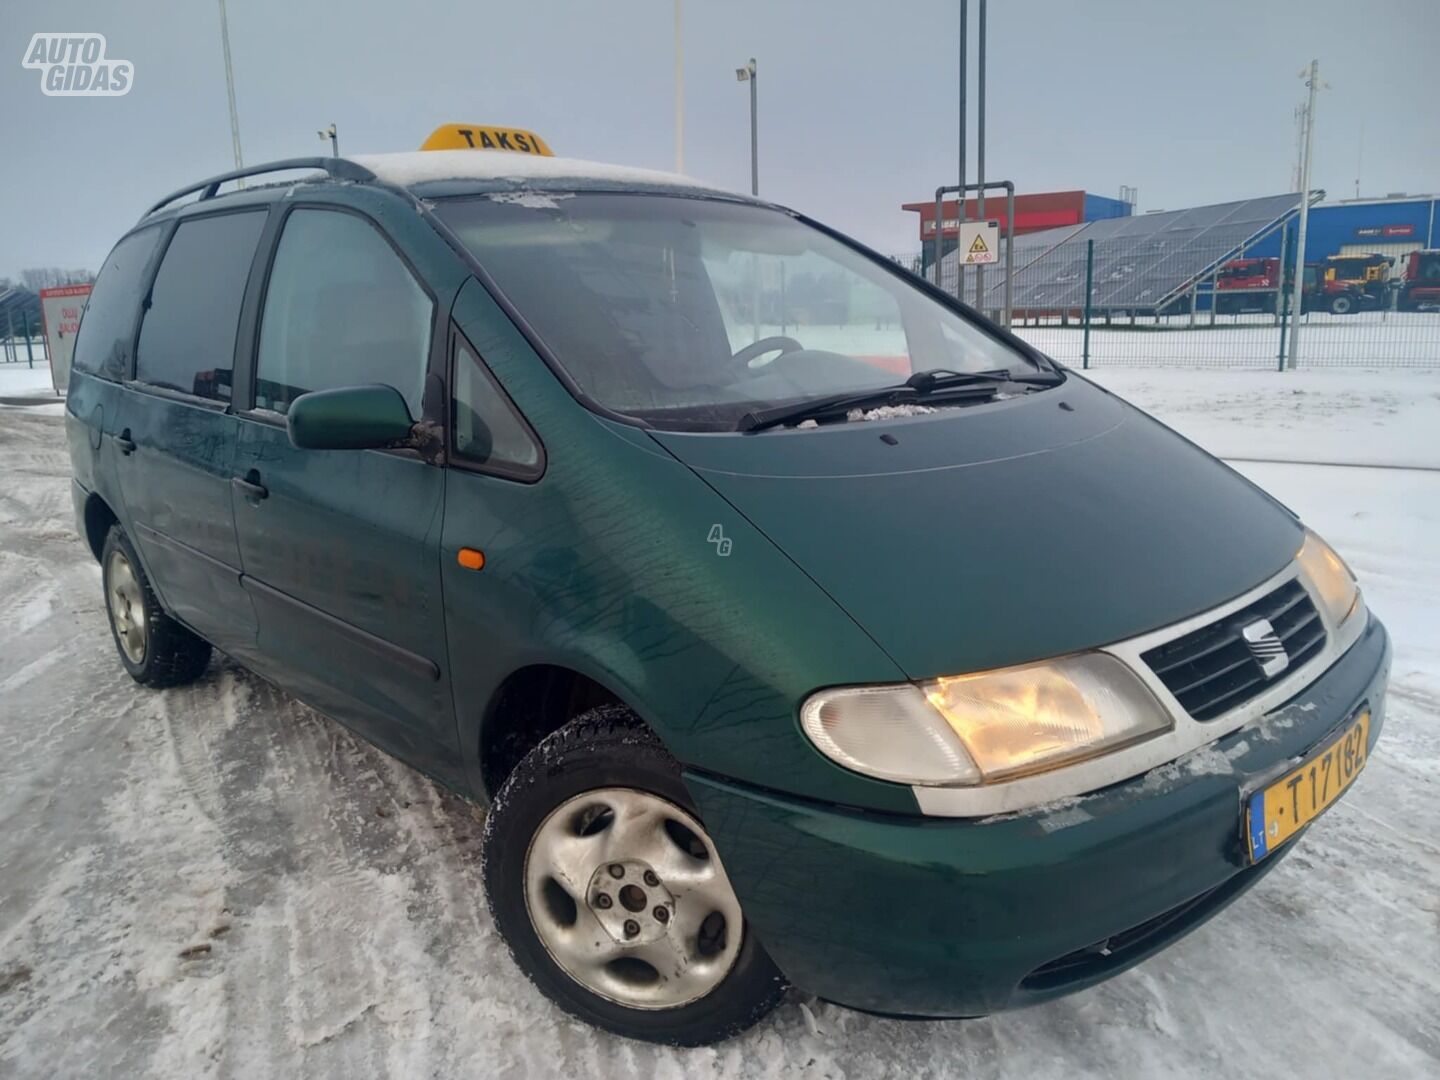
x=176 y=437
x=341 y=548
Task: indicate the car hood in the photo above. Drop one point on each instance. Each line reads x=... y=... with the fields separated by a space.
x=980 y=537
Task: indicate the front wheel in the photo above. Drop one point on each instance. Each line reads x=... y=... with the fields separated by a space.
x=611 y=895
x=1341 y=305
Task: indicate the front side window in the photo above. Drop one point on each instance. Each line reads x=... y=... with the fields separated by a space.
x=102 y=344
x=341 y=309
x=486 y=429
x=187 y=339
x=689 y=313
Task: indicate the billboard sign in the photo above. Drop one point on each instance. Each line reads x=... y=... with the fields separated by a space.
x=1385 y=231
x=60 y=310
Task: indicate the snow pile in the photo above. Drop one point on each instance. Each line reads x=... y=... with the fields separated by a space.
x=531 y=200
x=888 y=412
x=29 y=388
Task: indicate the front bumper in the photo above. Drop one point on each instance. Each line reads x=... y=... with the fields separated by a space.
x=943 y=917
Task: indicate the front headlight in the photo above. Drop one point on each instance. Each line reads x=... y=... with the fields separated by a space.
x=1331 y=580
x=995 y=725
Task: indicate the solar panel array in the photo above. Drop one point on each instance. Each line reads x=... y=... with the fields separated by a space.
x=1140 y=262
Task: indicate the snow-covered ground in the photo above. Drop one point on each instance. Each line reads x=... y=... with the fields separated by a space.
x=20 y=379
x=1374 y=338
x=215 y=881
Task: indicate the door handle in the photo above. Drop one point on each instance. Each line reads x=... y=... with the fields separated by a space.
x=249 y=485
x=125 y=444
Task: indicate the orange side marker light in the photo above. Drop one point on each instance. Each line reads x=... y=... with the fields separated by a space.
x=470 y=558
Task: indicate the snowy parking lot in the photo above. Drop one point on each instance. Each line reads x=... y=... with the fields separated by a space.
x=216 y=881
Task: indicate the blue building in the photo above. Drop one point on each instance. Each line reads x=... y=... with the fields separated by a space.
x=1392 y=226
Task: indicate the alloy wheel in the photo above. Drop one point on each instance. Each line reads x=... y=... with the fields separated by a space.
x=627 y=894
x=125 y=600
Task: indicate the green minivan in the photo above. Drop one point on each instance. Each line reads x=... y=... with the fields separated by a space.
x=797 y=625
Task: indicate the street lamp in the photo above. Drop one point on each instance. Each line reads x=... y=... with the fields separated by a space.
x=329 y=133
x=748 y=74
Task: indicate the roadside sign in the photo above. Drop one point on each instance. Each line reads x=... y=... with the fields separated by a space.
x=979 y=242
x=485 y=137
x=60 y=310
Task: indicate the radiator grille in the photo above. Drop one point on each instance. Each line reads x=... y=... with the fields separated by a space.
x=1212 y=670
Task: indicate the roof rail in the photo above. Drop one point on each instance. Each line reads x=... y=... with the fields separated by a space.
x=338 y=168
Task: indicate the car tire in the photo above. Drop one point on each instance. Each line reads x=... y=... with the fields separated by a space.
x=546 y=828
x=155 y=649
x=1341 y=305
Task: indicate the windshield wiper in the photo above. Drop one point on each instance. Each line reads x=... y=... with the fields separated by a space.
x=940 y=378
x=913 y=391
x=870 y=399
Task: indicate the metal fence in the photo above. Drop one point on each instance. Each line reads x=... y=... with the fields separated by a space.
x=1122 y=303
x=17 y=350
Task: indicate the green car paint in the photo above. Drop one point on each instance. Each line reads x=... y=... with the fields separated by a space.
x=349 y=418
x=1036 y=527
x=948 y=918
x=604 y=566
x=712 y=582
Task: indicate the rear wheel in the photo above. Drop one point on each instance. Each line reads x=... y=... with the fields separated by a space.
x=611 y=895
x=1341 y=304
x=155 y=649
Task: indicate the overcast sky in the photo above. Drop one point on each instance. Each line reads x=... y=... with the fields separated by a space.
x=1191 y=103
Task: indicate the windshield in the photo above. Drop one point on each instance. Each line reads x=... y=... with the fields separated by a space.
x=690 y=313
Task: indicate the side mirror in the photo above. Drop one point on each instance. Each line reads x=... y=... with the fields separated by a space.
x=349 y=418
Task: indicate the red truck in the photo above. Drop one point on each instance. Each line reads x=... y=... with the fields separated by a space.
x=1419 y=282
x=1247 y=285
x=1339 y=284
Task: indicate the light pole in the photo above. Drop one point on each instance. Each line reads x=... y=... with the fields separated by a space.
x=960 y=203
x=980 y=158
x=329 y=133
x=230 y=89
x=748 y=74
x=679 y=93
x=1297 y=285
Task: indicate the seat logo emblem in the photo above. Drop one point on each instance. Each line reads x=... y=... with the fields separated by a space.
x=1267 y=649
x=720 y=540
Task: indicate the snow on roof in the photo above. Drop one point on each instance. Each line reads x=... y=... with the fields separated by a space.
x=422 y=166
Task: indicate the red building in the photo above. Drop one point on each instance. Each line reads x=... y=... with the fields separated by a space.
x=1047 y=210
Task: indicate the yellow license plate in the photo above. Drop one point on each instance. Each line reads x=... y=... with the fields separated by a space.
x=1282 y=808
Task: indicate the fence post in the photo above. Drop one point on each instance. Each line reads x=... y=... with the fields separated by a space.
x=1280 y=285
x=29 y=349
x=1089 y=288
x=1284 y=320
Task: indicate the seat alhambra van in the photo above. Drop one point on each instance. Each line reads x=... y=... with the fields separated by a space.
x=797 y=625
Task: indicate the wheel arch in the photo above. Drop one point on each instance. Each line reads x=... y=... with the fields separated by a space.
x=530 y=703
x=98 y=519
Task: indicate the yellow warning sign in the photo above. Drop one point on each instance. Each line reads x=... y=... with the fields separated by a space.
x=980 y=242
x=485 y=137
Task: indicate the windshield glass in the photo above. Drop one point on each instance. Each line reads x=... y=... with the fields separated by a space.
x=690 y=313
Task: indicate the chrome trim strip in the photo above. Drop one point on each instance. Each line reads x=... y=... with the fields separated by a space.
x=1028 y=792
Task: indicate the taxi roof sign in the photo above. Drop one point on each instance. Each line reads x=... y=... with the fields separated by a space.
x=486 y=137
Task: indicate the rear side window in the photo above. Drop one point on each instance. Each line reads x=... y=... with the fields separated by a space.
x=102 y=344
x=187 y=341
x=341 y=309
